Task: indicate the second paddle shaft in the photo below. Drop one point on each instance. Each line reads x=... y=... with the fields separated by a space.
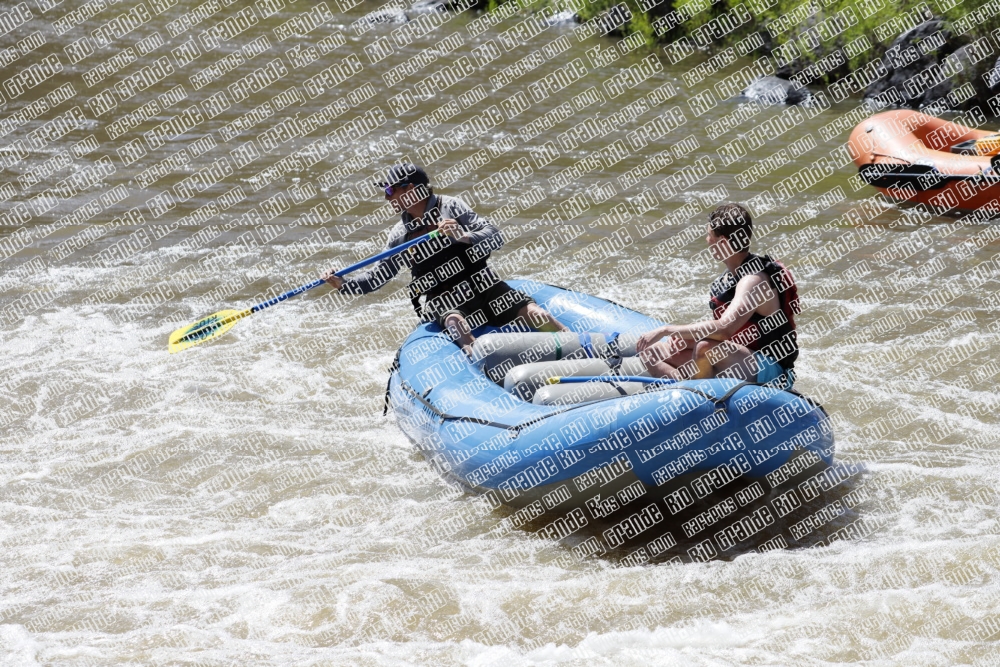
x=583 y=379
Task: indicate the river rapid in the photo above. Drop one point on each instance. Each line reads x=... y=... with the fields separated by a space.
x=246 y=503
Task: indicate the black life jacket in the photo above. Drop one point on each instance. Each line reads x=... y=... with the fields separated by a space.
x=775 y=334
x=441 y=264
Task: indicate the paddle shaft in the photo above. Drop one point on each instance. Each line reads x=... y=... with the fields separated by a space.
x=316 y=283
x=581 y=379
x=343 y=272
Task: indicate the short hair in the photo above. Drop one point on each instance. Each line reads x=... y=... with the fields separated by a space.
x=733 y=222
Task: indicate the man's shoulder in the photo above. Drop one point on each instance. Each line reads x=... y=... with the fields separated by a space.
x=752 y=279
x=449 y=203
x=752 y=269
x=751 y=282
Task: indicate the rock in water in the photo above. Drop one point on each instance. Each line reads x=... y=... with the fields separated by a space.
x=772 y=90
x=385 y=16
x=969 y=65
x=993 y=78
x=928 y=48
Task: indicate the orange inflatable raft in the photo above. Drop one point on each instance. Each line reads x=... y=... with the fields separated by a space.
x=916 y=158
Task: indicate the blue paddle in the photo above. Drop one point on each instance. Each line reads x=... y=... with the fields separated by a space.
x=581 y=379
x=219 y=323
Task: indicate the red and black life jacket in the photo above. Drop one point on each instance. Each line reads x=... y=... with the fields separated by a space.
x=773 y=335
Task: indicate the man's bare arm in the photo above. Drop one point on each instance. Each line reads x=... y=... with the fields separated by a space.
x=752 y=292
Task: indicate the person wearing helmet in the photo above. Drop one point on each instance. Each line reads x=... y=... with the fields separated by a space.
x=450 y=273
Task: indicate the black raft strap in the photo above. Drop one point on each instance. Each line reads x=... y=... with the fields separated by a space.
x=720 y=401
x=729 y=394
x=515 y=429
x=388 y=383
x=615 y=364
x=444 y=416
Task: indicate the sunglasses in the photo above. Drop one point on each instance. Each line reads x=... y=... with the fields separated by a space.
x=389 y=189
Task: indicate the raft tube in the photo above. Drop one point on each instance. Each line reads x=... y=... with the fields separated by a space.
x=912 y=157
x=701 y=435
x=566 y=394
x=527 y=379
x=497 y=353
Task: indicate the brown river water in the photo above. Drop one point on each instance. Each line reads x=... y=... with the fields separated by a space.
x=245 y=502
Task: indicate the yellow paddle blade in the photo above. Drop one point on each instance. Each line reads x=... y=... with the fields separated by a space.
x=210 y=327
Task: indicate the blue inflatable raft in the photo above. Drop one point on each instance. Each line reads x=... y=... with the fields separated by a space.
x=680 y=443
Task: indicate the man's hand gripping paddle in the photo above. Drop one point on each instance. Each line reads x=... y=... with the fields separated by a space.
x=219 y=323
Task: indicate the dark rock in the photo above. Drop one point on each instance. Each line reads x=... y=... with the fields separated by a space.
x=385 y=16
x=974 y=66
x=784 y=71
x=772 y=90
x=928 y=49
x=993 y=77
